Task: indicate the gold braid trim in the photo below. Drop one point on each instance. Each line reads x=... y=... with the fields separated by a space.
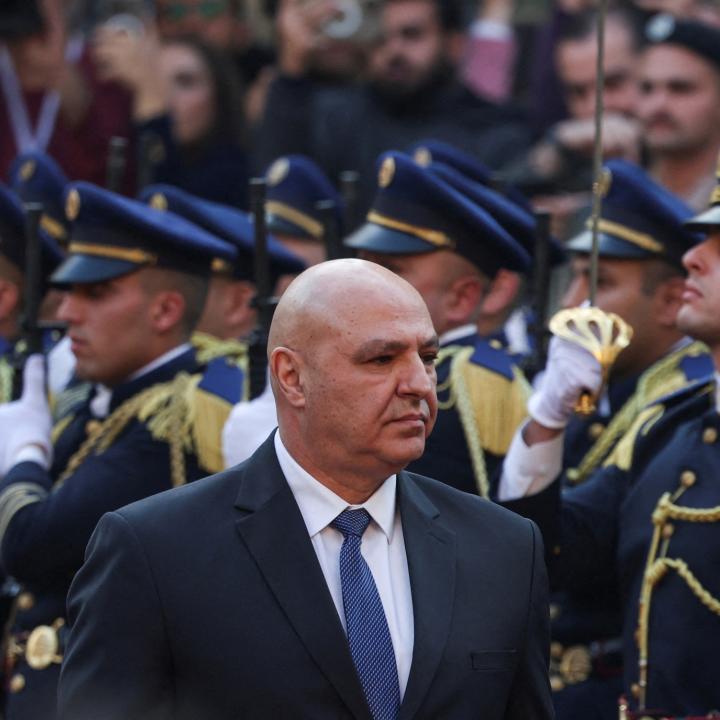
x=490 y=408
x=164 y=406
x=660 y=568
x=658 y=565
x=6 y=381
x=60 y=427
x=661 y=378
x=207 y=348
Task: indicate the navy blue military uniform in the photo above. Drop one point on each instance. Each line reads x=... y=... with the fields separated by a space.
x=668 y=461
x=155 y=433
x=642 y=221
x=482 y=392
x=647 y=518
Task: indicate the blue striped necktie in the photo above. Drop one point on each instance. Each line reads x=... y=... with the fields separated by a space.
x=367 y=629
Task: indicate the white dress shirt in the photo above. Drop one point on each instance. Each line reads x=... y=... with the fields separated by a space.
x=248 y=426
x=459 y=333
x=383 y=548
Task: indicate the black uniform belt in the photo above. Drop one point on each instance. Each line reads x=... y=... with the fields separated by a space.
x=572 y=664
x=40 y=647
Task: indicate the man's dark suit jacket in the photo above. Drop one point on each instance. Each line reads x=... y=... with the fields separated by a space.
x=208 y=602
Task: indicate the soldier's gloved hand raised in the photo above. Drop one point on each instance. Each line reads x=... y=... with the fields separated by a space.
x=25 y=424
x=570 y=371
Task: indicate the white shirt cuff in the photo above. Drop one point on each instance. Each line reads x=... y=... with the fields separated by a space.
x=529 y=469
x=32 y=453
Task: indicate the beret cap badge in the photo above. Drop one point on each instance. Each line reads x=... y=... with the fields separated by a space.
x=386 y=173
x=72 y=205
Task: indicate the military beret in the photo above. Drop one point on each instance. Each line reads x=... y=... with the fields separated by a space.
x=702 y=39
x=638 y=219
x=229 y=225
x=12 y=236
x=295 y=186
x=37 y=178
x=519 y=222
x=113 y=235
x=414 y=211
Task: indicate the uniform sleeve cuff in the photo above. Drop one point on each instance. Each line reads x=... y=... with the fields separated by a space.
x=530 y=469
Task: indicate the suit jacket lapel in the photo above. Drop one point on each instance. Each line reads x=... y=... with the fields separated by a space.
x=275 y=534
x=431 y=555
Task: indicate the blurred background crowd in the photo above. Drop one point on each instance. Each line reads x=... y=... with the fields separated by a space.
x=210 y=92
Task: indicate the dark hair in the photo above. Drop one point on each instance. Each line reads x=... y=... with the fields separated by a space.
x=583 y=25
x=228 y=122
x=193 y=288
x=450 y=13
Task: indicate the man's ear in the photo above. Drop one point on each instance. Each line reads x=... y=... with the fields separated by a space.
x=286 y=368
x=167 y=310
x=463 y=298
x=668 y=299
x=9 y=299
x=502 y=292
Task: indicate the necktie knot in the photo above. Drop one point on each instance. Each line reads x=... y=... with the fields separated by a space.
x=352 y=522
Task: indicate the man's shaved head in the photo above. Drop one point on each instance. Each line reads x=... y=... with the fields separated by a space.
x=352 y=351
x=328 y=296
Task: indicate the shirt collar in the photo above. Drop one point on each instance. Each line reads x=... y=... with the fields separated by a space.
x=319 y=505
x=458 y=333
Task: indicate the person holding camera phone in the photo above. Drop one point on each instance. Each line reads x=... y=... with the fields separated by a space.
x=52 y=99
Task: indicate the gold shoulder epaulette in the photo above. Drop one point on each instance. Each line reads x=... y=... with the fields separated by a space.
x=661 y=378
x=490 y=408
x=622 y=455
x=192 y=416
x=174 y=412
x=207 y=348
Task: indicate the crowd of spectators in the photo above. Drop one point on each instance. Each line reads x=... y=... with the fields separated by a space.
x=209 y=92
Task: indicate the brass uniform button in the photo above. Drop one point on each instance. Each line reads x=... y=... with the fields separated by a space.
x=556 y=650
x=496 y=344
x=556 y=684
x=709 y=435
x=572 y=474
x=25 y=601
x=687 y=479
x=667 y=531
x=557 y=550
x=555 y=611
x=635 y=690
x=17 y=683
x=596 y=430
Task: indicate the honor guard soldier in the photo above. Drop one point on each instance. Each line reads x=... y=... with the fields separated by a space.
x=37 y=178
x=640 y=277
x=507 y=325
x=450 y=249
x=136 y=282
x=12 y=271
x=229 y=315
x=296 y=190
x=650 y=517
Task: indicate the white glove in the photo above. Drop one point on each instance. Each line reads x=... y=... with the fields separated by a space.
x=570 y=371
x=25 y=424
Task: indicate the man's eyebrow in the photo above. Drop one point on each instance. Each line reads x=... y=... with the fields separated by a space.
x=379 y=346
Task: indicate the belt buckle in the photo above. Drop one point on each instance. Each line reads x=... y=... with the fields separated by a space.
x=42 y=648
